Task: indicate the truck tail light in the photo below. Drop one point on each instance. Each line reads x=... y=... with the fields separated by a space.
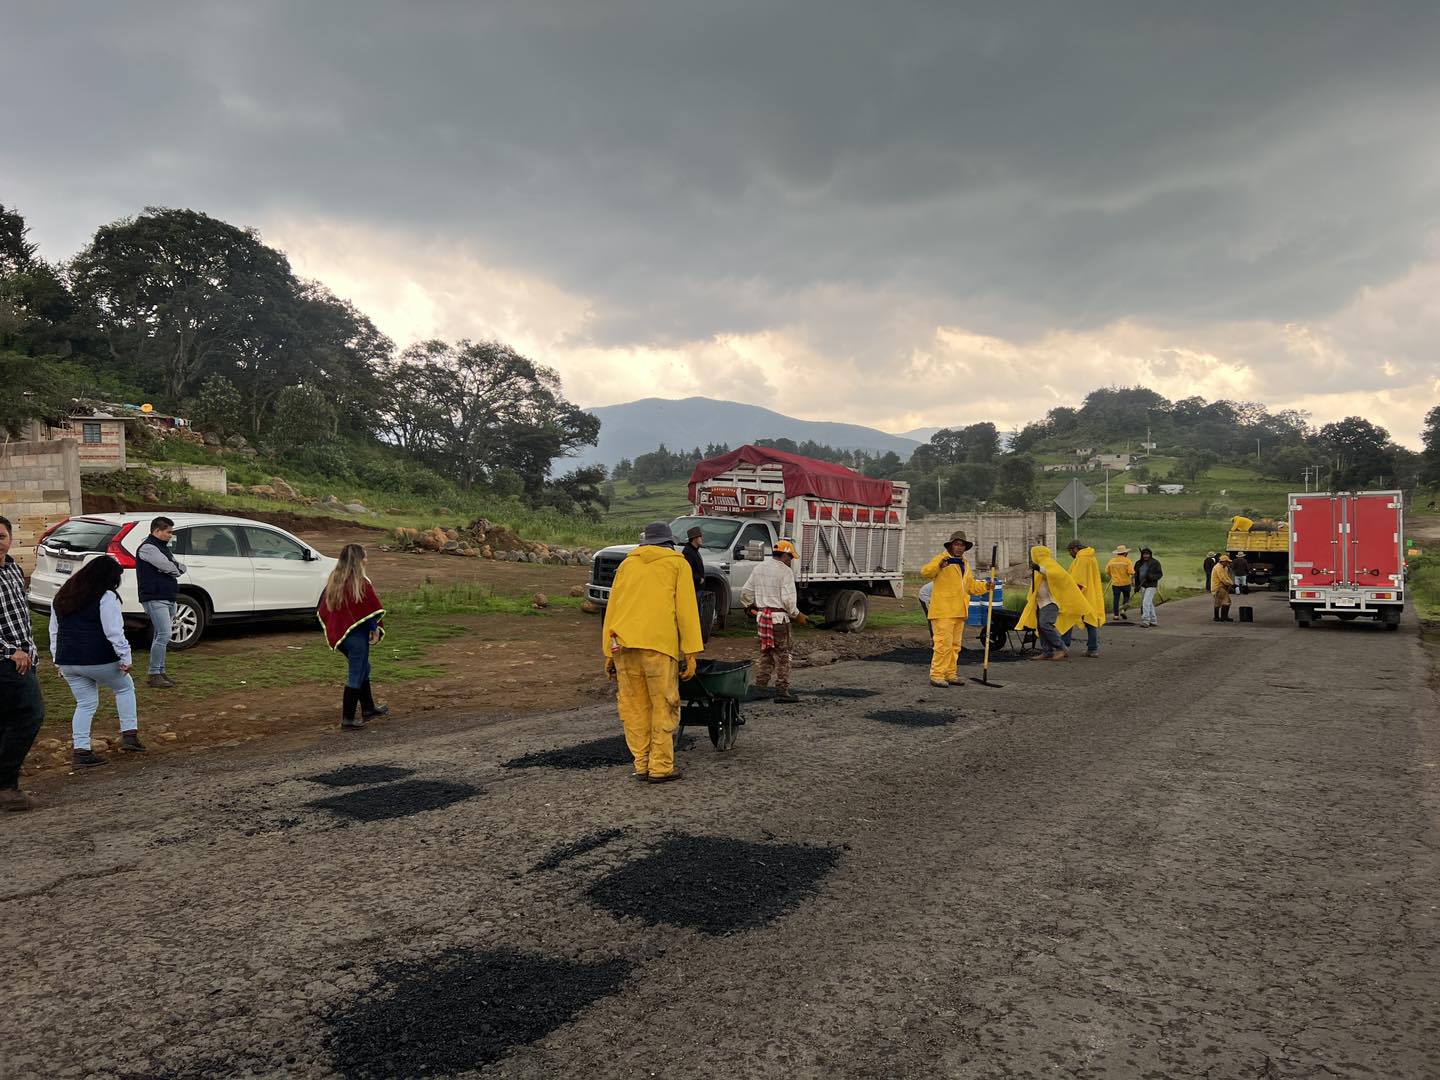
x=117 y=552
x=1384 y=596
x=790 y=515
x=1309 y=596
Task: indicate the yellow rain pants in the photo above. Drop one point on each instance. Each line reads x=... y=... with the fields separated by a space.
x=649 y=700
x=945 y=655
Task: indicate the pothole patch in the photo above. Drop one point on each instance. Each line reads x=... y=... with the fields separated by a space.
x=356 y=775
x=461 y=1010
x=563 y=853
x=912 y=717
x=396 y=800
x=849 y=693
x=713 y=884
x=907 y=654
x=596 y=754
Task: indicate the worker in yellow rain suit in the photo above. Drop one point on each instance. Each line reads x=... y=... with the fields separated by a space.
x=954 y=584
x=1222 y=584
x=1085 y=572
x=652 y=623
x=1054 y=605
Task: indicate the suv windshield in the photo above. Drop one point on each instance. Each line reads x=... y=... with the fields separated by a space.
x=80 y=535
x=718 y=533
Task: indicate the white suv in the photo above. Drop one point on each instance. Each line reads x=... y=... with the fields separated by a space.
x=236 y=569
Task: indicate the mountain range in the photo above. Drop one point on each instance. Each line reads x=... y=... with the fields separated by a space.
x=637 y=427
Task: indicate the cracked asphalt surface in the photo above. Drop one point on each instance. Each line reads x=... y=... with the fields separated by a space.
x=1213 y=852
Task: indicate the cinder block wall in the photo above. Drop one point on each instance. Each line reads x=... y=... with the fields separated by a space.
x=39 y=485
x=1016 y=532
x=210 y=478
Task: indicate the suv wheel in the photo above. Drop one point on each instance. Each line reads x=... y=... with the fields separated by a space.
x=190 y=621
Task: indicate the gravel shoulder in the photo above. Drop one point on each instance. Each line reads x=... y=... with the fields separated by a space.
x=1210 y=853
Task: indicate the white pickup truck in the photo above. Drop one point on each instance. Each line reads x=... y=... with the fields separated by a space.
x=849 y=531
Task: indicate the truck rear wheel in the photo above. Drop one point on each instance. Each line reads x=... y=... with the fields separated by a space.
x=848 y=611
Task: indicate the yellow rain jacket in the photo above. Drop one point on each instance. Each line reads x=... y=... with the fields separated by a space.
x=1121 y=571
x=1239 y=523
x=1221 y=578
x=652 y=604
x=1086 y=573
x=950 y=599
x=1071 y=601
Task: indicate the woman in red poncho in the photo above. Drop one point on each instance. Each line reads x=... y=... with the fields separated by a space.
x=354 y=621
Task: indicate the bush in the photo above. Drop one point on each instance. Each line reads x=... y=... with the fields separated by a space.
x=329 y=458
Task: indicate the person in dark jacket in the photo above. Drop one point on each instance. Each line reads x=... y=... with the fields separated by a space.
x=157 y=576
x=22 y=706
x=87 y=642
x=1148 y=573
x=1208 y=565
x=1240 y=571
x=354 y=621
x=703 y=598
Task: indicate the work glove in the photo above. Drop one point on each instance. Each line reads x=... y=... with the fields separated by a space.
x=689 y=670
x=610 y=669
x=801 y=619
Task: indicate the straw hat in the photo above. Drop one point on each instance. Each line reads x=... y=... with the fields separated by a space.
x=1122 y=550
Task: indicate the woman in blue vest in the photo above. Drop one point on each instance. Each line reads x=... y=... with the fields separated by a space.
x=87 y=642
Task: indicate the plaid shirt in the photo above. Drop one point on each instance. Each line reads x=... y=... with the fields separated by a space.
x=15 y=632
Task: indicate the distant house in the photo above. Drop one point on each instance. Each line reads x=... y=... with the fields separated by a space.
x=100 y=435
x=1118 y=462
x=1137 y=489
x=1171 y=489
x=1084 y=452
x=1063 y=467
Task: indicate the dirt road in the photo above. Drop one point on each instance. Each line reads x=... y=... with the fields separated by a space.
x=1212 y=852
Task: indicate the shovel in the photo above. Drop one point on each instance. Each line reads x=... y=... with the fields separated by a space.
x=984 y=679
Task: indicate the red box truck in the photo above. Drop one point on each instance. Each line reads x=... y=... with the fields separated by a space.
x=1345 y=556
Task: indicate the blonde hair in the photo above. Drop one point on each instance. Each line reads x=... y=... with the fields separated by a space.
x=347 y=580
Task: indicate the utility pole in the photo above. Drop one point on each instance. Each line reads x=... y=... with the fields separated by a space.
x=938 y=504
x=1107 y=490
x=1257 y=453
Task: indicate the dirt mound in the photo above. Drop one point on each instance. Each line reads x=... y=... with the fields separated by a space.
x=573 y=850
x=485 y=539
x=462 y=1010
x=356 y=775
x=713 y=884
x=912 y=717
x=395 y=800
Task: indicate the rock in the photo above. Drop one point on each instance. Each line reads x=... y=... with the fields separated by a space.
x=589 y=607
x=451 y=547
x=470 y=552
x=540 y=600
x=239 y=708
x=486 y=553
x=99 y=745
x=815 y=659
x=49 y=744
x=169 y=736
x=356 y=508
x=282 y=489
x=236 y=442
x=262 y=489
x=577 y=590
x=444 y=511
x=211 y=439
x=433 y=540
x=453 y=534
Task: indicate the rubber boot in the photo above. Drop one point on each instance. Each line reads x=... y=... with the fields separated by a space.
x=1217 y=615
x=347 y=715
x=368 y=708
x=1225 y=614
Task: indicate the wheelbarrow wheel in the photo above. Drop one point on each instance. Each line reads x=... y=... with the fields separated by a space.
x=726 y=725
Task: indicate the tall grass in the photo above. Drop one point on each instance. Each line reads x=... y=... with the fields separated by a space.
x=1424 y=586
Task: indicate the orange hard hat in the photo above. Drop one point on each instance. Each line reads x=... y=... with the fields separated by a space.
x=784 y=547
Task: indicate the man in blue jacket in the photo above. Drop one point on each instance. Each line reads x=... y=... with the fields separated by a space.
x=157 y=576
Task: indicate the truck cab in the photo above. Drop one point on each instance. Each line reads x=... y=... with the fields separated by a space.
x=731 y=548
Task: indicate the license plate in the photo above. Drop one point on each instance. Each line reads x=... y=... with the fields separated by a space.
x=64 y=568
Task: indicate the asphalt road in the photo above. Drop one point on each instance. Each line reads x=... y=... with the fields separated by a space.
x=1212 y=852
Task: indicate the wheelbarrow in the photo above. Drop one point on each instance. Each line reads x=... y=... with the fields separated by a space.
x=713 y=697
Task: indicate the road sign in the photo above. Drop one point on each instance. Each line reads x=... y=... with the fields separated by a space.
x=1075 y=500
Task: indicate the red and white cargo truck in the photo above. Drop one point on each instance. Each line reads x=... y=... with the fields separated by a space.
x=848 y=529
x=1346 y=558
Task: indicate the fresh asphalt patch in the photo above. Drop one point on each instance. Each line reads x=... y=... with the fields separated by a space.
x=596 y=754
x=461 y=1010
x=714 y=884
x=911 y=654
x=849 y=693
x=913 y=717
x=356 y=775
x=563 y=853
x=396 y=800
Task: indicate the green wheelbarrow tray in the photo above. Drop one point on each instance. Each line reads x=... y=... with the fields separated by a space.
x=712 y=698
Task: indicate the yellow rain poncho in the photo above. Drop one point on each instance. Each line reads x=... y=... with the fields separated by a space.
x=1240 y=523
x=1086 y=573
x=652 y=605
x=1071 y=601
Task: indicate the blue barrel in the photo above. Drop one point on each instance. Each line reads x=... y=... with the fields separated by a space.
x=977 y=605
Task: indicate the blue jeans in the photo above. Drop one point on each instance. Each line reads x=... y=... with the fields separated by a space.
x=162 y=621
x=1092 y=638
x=1121 y=594
x=356 y=647
x=85 y=681
x=1050 y=640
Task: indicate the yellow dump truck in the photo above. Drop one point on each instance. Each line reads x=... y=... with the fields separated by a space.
x=1266 y=545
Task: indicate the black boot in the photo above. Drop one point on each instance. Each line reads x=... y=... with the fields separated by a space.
x=1217 y=615
x=368 y=708
x=347 y=715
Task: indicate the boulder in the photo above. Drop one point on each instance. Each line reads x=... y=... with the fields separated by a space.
x=262 y=489
x=453 y=534
x=356 y=508
x=433 y=540
x=236 y=442
x=211 y=439
x=282 y=489
x=485 y=552
x=577 y=590
x=540 y=600
x=589 y=607
x=451 y=546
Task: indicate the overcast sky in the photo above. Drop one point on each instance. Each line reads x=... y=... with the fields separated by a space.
x=902 y=214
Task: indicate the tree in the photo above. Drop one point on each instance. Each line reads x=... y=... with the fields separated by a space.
x=974 y=443
x=1194 y=464
x=17 y=253
x=177 y=295
x=1430 y=456
x=1016 y=481
x=1363 y=453
x=218 y=407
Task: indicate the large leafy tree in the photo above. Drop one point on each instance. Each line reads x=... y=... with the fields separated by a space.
x=177 y=295
x=1430 y=456
x=1362 y=452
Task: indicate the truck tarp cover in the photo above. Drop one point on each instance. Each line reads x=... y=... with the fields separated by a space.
x=803 y=476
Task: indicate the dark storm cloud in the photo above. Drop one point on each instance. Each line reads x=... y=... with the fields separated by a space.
x=700 y=167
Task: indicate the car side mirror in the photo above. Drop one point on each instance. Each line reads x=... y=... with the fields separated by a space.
x=310 y=556
x=739 y=555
